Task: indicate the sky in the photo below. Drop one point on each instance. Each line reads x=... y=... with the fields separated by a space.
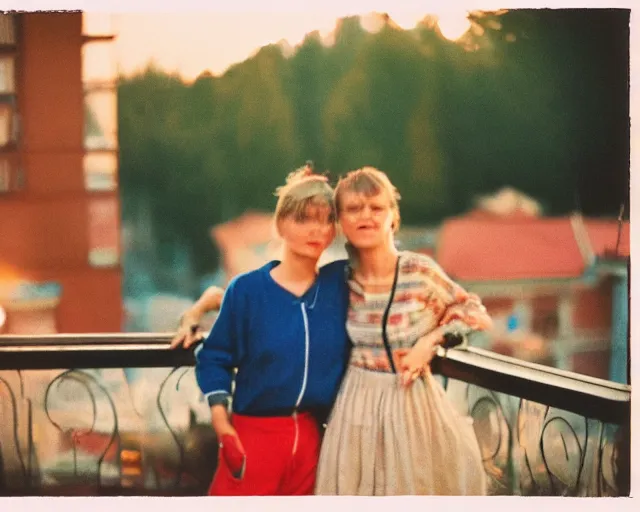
x=192 y=36
x=191 y=43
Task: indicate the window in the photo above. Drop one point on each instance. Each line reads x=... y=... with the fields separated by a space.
x=10 y=171
x=100 y=160
x=103 y=231
x=100 y=103
x=100 y=170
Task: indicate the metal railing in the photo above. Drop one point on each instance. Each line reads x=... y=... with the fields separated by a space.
x=103 y=414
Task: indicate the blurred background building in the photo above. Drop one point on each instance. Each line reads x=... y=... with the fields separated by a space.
x=59 y=205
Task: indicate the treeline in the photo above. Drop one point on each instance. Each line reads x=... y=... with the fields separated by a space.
x=536 y=100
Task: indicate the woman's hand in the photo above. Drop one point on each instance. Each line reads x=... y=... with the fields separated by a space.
x=189 y=332
x=416 y=362
x=220 y=421
x=230 y=445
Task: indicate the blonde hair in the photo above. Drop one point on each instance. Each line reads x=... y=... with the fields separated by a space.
x=369 y=182
x=303 y=188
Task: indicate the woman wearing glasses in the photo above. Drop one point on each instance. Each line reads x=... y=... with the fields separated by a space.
x=392 y=430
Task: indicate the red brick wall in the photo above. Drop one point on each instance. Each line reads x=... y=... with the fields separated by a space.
x=44 y=228
x=592 y=308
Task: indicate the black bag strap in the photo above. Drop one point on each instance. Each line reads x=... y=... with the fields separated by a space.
x=385 y=317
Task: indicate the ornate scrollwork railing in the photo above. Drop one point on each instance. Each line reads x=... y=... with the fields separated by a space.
x=121 y=414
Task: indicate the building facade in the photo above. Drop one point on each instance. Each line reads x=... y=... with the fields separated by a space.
x=556 y=287
x=59 y=208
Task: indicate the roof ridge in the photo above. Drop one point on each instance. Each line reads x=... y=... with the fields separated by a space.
x=582 y=238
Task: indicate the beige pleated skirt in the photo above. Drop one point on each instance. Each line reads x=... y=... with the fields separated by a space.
x=385 y=440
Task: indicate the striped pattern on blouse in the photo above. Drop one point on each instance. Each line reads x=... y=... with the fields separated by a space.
x=425 y=298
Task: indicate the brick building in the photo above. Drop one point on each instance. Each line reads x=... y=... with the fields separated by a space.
x=59 y=207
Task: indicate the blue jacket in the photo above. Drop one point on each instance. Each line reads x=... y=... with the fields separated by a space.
x=290 y=352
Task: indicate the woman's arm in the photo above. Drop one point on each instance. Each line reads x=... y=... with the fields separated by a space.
x=463 y=312
x=416 y=362
x=220 y=421
x=189 y=329
x=219 y=355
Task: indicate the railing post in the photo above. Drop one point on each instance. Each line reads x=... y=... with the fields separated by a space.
x=513 y=474
x=619 y=329
x=622 y=466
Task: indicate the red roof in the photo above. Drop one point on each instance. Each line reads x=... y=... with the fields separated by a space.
x=511 y=248
x=603 y=235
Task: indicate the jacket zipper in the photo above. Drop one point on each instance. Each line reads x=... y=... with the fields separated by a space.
x=304 y=378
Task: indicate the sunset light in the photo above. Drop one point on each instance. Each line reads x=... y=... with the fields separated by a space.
x=192 y=43
x=453 y=25
x=185 y=313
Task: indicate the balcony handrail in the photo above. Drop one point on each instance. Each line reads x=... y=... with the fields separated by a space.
x=587 y=396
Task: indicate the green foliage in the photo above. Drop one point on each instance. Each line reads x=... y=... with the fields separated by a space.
x=538 y=105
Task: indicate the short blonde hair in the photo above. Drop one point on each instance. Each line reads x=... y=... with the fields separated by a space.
x=369 y=182
x=303 y=188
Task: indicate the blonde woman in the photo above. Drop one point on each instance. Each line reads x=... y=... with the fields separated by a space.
x=392 y=430
x=282 y=327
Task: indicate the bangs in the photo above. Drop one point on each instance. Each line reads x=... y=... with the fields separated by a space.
x=364 y=184
x=313 y=208
x=307 y=201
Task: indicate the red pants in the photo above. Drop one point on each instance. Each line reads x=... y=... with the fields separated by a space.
x=281 y=457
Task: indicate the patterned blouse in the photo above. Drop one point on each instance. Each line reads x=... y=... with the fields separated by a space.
x=425 y=299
